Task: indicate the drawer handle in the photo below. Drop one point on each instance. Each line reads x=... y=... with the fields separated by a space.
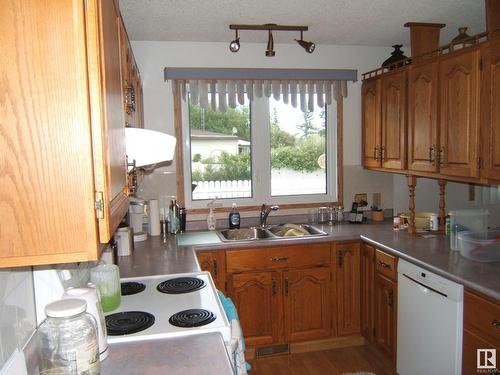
x=495 y=323
x=384 y=265
x=279 y=259
x=273 y=287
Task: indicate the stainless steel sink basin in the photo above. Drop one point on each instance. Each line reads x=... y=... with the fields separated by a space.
x=296 y=230
x=275 y=232
x=244 y=234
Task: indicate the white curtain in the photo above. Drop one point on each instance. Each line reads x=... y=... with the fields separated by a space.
x=302 y=93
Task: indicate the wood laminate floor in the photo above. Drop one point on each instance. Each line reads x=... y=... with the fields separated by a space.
x=364 y=358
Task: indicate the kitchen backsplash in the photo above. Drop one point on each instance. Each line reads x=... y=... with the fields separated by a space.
x=17 y=310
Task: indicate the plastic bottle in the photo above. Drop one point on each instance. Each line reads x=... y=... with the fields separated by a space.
x=211 y=221
x=234 y=217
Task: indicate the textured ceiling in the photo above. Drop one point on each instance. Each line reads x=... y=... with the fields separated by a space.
x=344 y=22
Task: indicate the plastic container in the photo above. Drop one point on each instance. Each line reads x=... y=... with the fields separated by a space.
x=234 y=217
x=472 y=220
x=480 y=246
x=107 y=278
x=68 y=339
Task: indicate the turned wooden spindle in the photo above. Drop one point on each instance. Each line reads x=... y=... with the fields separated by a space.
x=412 y=183
x=442 y=204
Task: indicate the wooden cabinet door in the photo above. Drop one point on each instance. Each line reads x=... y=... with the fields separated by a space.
x=393 y=149
x=110 y=161
x=471 y=343
x=367 y=290
x=307 y=304
x=348 y=287
x=257 y=297
x=215 y=263
x=423 y=117
x=459 y=109
x=371 y=131
x=491 y=111
x=385 y=315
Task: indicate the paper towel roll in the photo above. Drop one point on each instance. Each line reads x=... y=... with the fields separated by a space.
x=154 y=218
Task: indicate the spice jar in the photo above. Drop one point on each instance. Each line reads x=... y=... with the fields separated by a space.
x=68 y=339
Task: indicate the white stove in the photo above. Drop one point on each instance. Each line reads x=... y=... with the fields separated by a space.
x=162 y=306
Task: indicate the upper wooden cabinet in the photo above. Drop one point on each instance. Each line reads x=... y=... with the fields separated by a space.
x=384 y=122
x=490 y=122
x=61 y=134
x=423 y=117
x=459 y=113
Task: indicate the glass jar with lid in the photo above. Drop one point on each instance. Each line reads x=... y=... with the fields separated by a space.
x=68 y=339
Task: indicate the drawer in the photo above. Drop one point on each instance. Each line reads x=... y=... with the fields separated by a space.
x=385 y=264
x=482 y=317
x=278 y=257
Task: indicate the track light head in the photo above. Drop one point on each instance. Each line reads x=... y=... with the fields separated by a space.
x=308 y=46
x=234 y=46
x=270 y=45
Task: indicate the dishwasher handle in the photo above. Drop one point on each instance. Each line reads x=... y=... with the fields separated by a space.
x=425 y=286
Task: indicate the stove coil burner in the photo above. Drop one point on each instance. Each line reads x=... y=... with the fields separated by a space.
x=180 y=285
x=127 y=322
x=192 y=318
x=129 y=288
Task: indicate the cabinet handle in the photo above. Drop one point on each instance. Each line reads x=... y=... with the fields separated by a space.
x=341 y=258
x=384 y=265
x=216 y=268
x=274 y=287
x=382 y=154
x=432 y=154
x=279 y=259
x=391 y=298
x=375 y=152
x=441 y=156
x=495 y=323
x=286 y=286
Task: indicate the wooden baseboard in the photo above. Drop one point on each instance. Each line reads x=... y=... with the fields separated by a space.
x=316 y=345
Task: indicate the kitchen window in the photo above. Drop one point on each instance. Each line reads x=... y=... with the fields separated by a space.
x=250 y=136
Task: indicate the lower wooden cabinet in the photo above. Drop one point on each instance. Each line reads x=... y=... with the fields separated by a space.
x=367 y=290
x=346 y=259
x=385 y=314
x=307 y=304
x=257 y=297
x=481 y=331
x=215 y=263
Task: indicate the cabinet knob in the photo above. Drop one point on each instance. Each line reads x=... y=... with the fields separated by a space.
x=495 y=323
x=279 y=259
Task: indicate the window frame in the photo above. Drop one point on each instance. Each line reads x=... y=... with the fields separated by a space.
x=261 y=161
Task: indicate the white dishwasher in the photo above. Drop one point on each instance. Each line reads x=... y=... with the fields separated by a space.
x=430 y=319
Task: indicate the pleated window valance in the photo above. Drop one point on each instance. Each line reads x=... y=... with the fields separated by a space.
x=227 y=87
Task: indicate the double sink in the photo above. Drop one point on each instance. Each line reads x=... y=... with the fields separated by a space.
x=284 y=231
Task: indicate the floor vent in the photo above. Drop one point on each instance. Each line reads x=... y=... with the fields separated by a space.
x=272 y=350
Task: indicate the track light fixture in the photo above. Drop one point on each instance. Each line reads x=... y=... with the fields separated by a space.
x=234 y=46
x=308 y=46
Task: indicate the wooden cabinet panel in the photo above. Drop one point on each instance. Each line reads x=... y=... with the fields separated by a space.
x=386 y=264
x=367 y=290
x=278 y=257
x=385 y=314
x=459 y=109
x=307 y=303
x=347 y=258
x=371 y=103
x=63 y=138
x=257 y=297
x=215 y=263
x=393 y=149
x=490 y=110
x=423 y=117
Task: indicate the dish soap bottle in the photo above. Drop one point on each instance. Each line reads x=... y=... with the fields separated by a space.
x=211 y=221
x=234 y=218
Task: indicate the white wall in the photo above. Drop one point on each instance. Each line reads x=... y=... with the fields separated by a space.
x=152 y=57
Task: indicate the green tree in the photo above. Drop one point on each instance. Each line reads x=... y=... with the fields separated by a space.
x=281 y=138
x=307 y=127
x=226 y=167
x=303 y=157
x=221 y=122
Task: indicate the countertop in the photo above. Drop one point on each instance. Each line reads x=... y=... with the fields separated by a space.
x=434 y=254
x=194 y=354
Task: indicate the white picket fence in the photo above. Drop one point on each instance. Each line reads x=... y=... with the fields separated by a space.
x=284 y=182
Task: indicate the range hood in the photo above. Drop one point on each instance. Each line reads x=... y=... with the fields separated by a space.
x=148 y=147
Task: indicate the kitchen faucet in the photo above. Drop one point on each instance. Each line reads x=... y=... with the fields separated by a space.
x=264 y=213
